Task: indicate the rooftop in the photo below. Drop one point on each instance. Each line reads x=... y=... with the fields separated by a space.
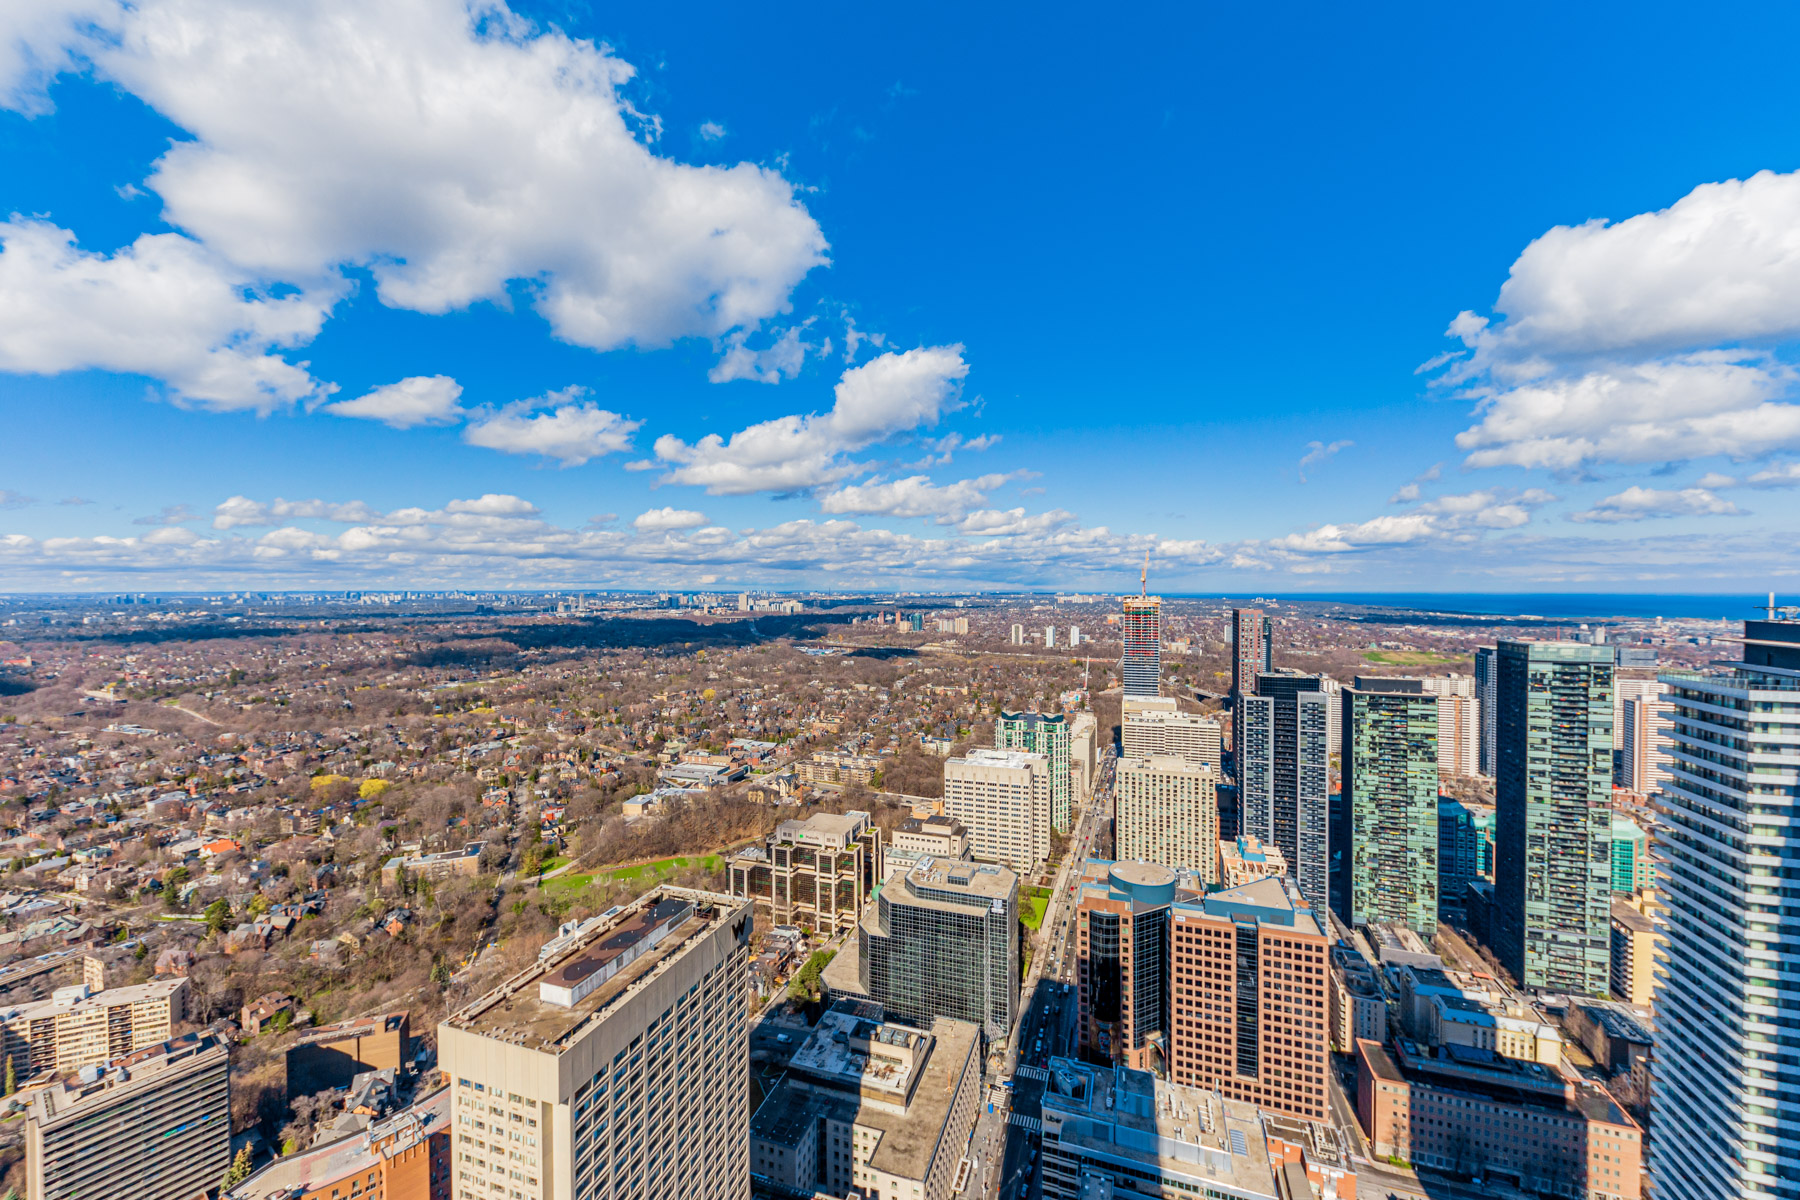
x=517 y=1011
x=79 y=999
x=1018 y=760
x=296 y=1174
x=979 y=881
x=96 y=1082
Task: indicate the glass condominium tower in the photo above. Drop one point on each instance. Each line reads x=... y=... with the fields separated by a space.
x=1725 y=1097
x=1552 y=921
x=1140 y=666
x=1283 y=753
x=1046 y=734
x=1390 y=789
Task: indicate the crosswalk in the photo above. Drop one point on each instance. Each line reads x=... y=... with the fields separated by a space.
x=1028 y=1124
x=1030 y=1072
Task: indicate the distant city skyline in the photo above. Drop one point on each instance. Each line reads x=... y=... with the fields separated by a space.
x=824 y=304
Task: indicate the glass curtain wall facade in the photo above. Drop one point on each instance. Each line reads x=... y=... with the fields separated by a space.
x=1724 y=1120
x=1552 y=920
x=1284 y=775
x=943 y=941
x=1487 y=696
x=1140 y=667
x=1390 y=797
x=1046 y=734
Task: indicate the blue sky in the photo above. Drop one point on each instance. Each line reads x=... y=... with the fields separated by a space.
x=427 y=293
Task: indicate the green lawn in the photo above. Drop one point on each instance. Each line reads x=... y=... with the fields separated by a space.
x=641 y=873
x=1031 y=910
x=1412 y=658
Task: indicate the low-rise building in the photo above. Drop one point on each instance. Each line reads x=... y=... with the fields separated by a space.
x=79 y=1027
x=1523 y=1122
x=1618 y=1041
x=405 y=1157
x=334 y=1055
x=153 y=1125
x=1248 y=858
x=1358 y=1008
x=815 y=873
x=1634 y=940
x=870 y=1108
x=447 y=865
x=1142 y=1135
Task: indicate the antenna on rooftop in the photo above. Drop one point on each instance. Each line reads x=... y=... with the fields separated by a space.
x=1144 y=579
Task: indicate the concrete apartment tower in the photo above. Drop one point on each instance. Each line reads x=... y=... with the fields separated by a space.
x=1002 y=797
x=154 y=1125
x=1166 y=811
x=1388 y=866
x=1552 y=917
x=1722 y=1098
x=1252 y=649
x=615 y=1066
x=1283 y=751
x=1641 y=718
x=1046 y=734
x=1155 y=726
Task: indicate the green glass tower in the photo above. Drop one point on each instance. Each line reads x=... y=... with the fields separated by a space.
x=1046 y=734
x=1630 y=856
x=1553 y=820
x=1388 y=864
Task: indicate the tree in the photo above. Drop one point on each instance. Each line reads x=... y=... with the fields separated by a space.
x=217 y=915
x=240 y=1167
x=12 y=1079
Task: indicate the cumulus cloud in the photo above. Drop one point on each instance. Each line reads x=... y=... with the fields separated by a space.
x=1777 y=475
x=171 y=514
x=914 y=496
x=1644 y=504
x=658 y=520
x=571 y=431
x=712 y=131
x=243 y=511
x=163 y=306
x=781 y=359
x=449 y=148
x=890 y=394
x=1644 y=340
x=1318 y=452
x=419 y=400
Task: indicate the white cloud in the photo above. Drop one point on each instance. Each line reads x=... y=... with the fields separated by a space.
x=162 y=306
x=914 y=496
x=571 y=432
x=448 y=147
x=1011 y=522
x=1693 y=407
x=171 y=514
x=12 y=499
x=1778 y=475
x=782 y=359
x=893 y=393
x=1643 y=504
x=243 y=511
x=712 y=131
x=659 y=520
x=419 y=400
x=1657 y=324
x=1318 y=452
x=1379 y=531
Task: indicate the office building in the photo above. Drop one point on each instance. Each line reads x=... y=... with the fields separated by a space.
x=616 y=1067
x=1521 y=1122
x=334 y=1055
x=917 y=838
x=1046 y=734
x=870 y=1108
x=1283 y=750
x=1245 y=858
x=940 y=941
x=1167 y=811
x=1252 y=650
x=1487 y=708
x=1465 y=832
x=1122 y=962
x=151 y=1125
x=1552 y=815
x=1140 y=627
x=1119 y=1132
x=1722 y=1096
x=1631 y=867
x=1155 y=726
x=1643 y=735
x=1459 y=724
x=1081 y=757
x=78 y=1027
x=1247 y=1007
x=815 y=873
x=1389 y=765
x=402 y=1157
x=1002 y=797
x=1634 y=946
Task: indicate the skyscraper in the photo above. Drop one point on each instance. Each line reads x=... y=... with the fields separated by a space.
x=1153 y=726
x=942 y=940
x=1552 y=918
x=1003 y=798
x=1140 y=665
x=1252 y=646
x=1642 y=722
x=1167 y=811
x=1389 y=765
x=1046 y=734
x=1122 y=961
x=617 y=1066
x=1283 y=752
x=1721 y=1102
x=1459 y=724
x=1487 y=707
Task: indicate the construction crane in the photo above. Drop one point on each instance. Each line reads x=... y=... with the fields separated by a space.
x=1144 y=577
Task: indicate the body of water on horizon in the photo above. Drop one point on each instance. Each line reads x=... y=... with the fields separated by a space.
x=1562 y=605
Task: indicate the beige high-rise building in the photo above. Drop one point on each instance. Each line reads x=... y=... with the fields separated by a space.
x=78 y=1027
x=155 y=1125
x=1167 y=811
x=1002 y=797
x=618 y=1066
x=1081 y=756
x=1154 y=726
x=1459 y=724
x=1642 y=735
